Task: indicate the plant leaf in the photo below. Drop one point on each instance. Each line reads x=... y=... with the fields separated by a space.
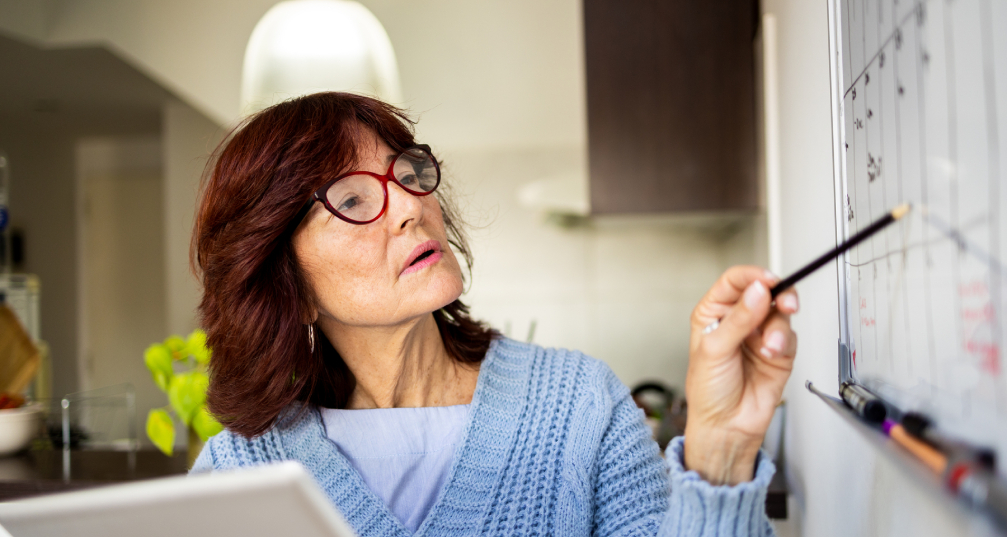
x=187 y=393
x=205 y=424
x=161 y=430
x=196 y=346
x=158 y=360
x=177 y=346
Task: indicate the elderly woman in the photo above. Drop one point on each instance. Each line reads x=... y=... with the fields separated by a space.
x=331 y=280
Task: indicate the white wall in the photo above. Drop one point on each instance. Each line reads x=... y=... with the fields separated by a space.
x=188 y=139
x=26 y=19
x=121 y=263
x=841 y=485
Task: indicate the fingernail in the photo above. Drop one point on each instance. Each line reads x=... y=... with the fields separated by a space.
x=754 y=294
x=773 y=277
x=789 y=302
x=775 y=341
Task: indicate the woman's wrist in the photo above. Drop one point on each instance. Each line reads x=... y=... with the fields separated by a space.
x=720 y=457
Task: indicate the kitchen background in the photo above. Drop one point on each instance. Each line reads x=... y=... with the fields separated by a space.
x=108 y=109
x=111 y=107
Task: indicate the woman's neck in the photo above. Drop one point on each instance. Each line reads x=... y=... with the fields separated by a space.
x=401 y=366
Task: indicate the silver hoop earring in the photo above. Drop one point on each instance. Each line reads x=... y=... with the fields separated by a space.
x=311 y=337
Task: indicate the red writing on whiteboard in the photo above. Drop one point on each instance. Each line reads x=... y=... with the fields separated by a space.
x=989 y=355
x=867 y=321
x=979 y=321
x=973 y=288
x=984 y=313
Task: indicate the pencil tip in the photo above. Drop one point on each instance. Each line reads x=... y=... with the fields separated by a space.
x=900 y=211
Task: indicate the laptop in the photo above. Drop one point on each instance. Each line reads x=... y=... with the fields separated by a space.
x=278 y=499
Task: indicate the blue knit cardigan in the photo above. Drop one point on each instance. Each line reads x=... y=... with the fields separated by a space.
x=554 y=446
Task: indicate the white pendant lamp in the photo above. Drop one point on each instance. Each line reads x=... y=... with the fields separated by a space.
x=306 y=46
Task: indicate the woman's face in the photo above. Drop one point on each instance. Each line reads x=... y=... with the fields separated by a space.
x=369 y=275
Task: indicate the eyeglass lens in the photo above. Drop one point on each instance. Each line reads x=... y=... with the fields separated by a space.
x=416 y=171
x=360 y=197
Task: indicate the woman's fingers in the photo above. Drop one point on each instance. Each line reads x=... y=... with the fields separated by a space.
x=777 y=337
x=774 y=338
x=726 y=292
x=787 y=301
x=746 y=315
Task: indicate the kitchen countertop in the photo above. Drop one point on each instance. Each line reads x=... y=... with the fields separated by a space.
x=32 y=473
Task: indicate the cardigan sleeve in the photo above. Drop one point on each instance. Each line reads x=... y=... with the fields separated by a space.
x=631 y=481
x=698 y=508
x=637 y=493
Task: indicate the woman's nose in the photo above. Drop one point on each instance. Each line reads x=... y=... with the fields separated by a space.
x=403 y=208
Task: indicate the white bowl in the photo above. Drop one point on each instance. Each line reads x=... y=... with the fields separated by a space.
x=18 y=427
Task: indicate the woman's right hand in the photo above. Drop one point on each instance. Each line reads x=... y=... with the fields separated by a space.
x=736 y=372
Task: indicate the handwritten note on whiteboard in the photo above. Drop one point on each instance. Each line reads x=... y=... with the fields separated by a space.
x=923 y=119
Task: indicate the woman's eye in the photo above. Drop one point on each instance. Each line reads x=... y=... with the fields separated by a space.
x=348 y=204
x=408 y=180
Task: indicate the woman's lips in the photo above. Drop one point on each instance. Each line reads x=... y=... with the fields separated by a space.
x=412 y=265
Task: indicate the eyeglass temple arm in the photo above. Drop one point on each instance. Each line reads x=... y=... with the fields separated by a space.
x=302 y=213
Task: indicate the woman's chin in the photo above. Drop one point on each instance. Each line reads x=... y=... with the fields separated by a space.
x=444 y=289
x=433 y=294
x=432 y=289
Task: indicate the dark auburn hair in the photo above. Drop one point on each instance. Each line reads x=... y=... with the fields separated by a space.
x=255 y=297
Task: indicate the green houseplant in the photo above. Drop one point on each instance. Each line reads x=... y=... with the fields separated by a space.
x=178 y=367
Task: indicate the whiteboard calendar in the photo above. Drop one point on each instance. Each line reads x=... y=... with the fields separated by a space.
x=920 y=92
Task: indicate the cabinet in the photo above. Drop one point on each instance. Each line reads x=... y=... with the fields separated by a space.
x=671 y=105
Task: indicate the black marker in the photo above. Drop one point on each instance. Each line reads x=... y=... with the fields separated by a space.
x=921 y=427
x=863 y=402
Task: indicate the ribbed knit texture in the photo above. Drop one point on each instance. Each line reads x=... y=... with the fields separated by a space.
x=554 y=446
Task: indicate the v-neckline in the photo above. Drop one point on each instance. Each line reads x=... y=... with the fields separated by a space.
x=498 y=401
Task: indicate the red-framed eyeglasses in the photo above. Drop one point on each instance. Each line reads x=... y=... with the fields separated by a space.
x=361 y=197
